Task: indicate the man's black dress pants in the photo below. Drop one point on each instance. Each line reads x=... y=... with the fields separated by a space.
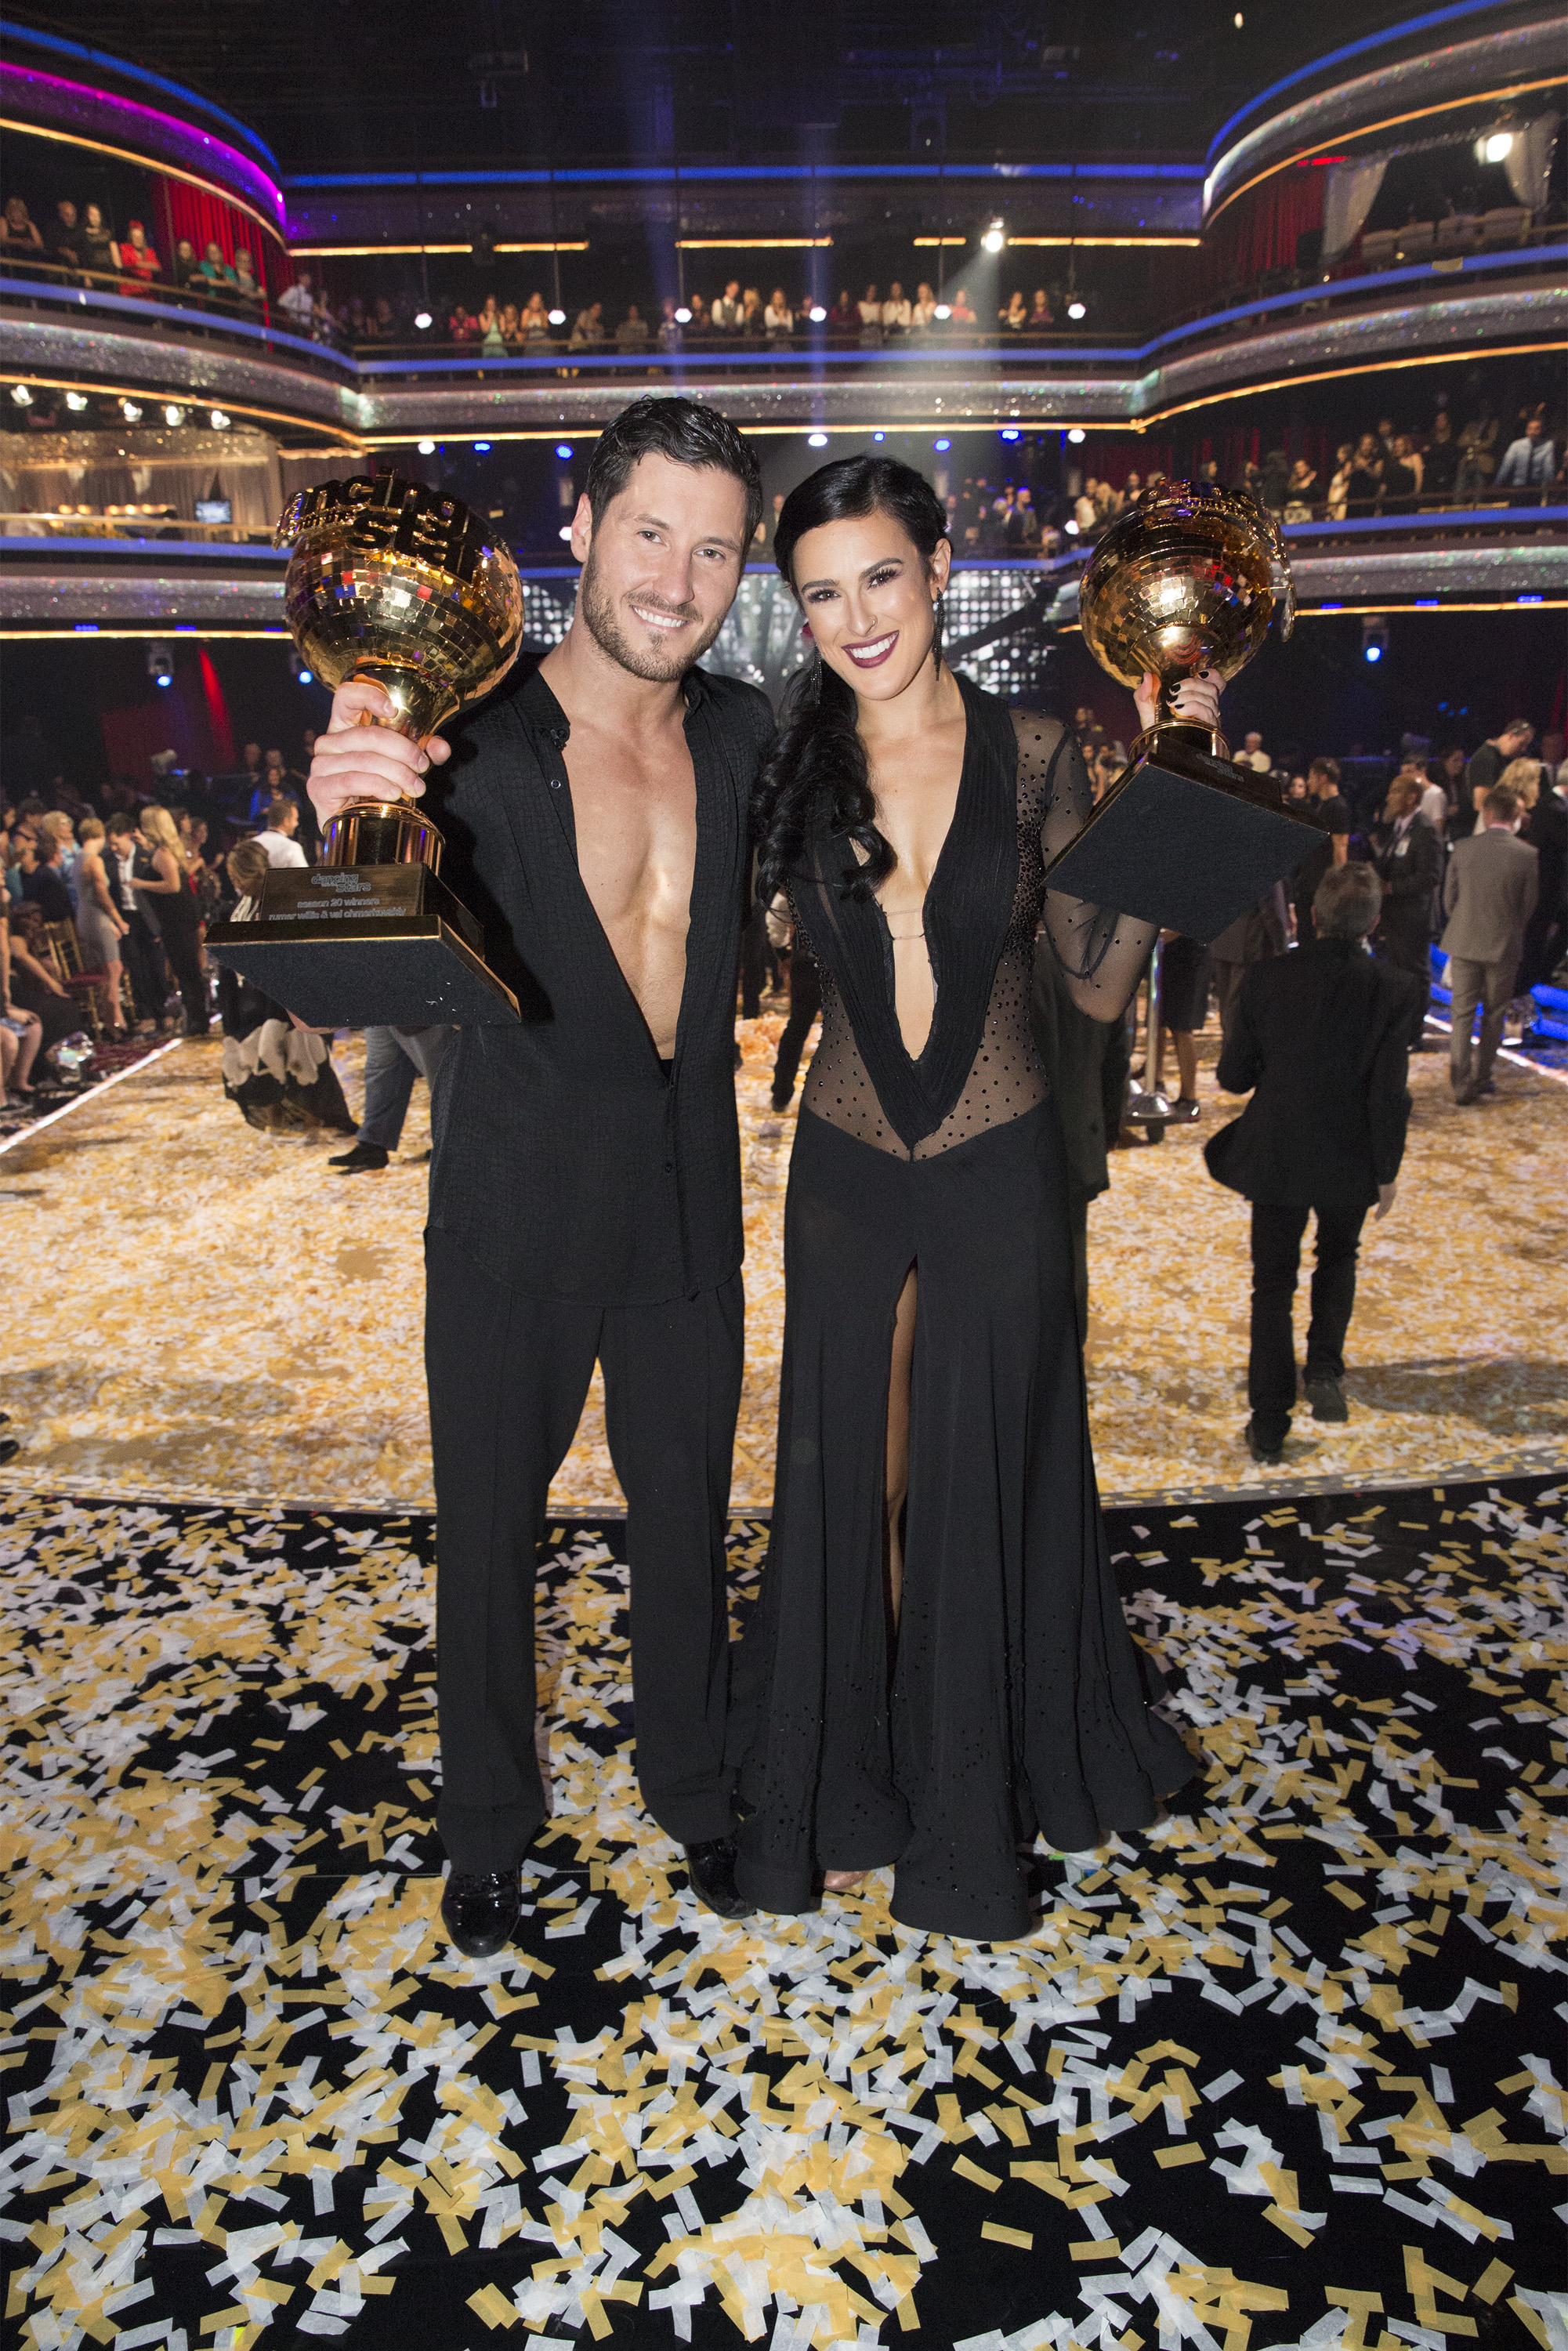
x=508 y=1374
x=1276 y=1259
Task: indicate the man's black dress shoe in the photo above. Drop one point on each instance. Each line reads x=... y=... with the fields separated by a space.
x=362 y=1156
x=479 y=1913
x=711 y=1869
x=1261 y=1450
x=1327 y=1396
x=9 y=1448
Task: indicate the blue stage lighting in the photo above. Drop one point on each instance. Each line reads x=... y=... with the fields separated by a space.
x=563 y=449
x=1009 y=432
x=481 y=448
x=816 y=440
x=941 y=445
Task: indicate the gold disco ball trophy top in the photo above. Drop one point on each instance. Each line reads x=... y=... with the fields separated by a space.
x=1187 y=580
x=392 y=581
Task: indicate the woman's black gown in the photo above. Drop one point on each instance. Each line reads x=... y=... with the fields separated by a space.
x=1013 y=1700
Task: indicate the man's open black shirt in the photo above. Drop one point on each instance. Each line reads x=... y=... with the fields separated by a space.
x=566 y=1160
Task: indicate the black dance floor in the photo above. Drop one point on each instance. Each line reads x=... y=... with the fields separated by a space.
x=1287 y=2070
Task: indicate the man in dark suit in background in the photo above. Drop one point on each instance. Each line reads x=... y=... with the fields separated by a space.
x=1332 y=816
x=1407 y=856
x=1250 y=938
x=1488 y=896
x=1320 y=1039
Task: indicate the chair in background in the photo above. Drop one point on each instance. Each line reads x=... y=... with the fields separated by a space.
x=1377 y=250
x=86 y=988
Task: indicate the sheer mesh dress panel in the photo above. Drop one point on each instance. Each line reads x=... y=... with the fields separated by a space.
x=1023 y=796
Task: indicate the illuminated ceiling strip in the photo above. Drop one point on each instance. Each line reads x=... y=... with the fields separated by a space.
x=748 y=244
x=191 y=400
x=1371 y=131
x=364 y=252
x=86 y=631
x=147 y=163
x=754 y=432
x=942 y=240
x=1101 y=240
x=1353 y=611
x=1337 y=374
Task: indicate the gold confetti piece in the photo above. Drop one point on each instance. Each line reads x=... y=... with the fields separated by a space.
x=1097 y=2249
x=1022 y=2238
x=1491 y=2280
x=989 y=2180
x=1290 y=2228
x=1169 y=2156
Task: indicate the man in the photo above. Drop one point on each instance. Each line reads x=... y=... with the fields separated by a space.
x=297 y=303
x=1407 y=856
x=1332 y=817
x=1318 y=1041
x=1488 y=896
x=1530 y=464
x=140 y=949
x=631 y=334
x=585 y=1190
x=282 y=824
x=1485 y=768
x=1253 y=755
x=45 y=885
x=62 y=239
x=729 y=310
x=1252 y=938
x=393 y=1059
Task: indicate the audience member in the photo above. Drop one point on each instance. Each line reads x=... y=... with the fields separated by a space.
x=1489 y=896
x=20 y=239
x=393 y=1059
x=1253 y=755
x=1184 y=1009
x=1530 y=464
x=1318 y=1041
x=1485 y=770
x=138 y=946
x=1324 y=809
x=168 y=891
x=100 y=926
x=1407 y=855
x=138 y=259
x=1262 y=932
x=1545 y=827
x=100 y=253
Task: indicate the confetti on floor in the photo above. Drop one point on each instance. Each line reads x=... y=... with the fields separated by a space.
x=257 y=1334
x=1282 y=2072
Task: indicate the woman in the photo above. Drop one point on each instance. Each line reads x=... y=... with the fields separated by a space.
x=1402 y=477
x=19 y=237
x=100 y=253
x=99 y=924
x=844 y=319
x=1339 y=482
x=1014 y=318
x=1366 y=483
x=938 y=1668
x=492 y=342
x=280 y=1075
x=536 y=331
x=1039 y=316
x=461 y=326
x=247 y=286
x=214 y=272
x=779 y=319
x=752 y=324
x=1298 y=492
x=172 y=902
x=511 y=326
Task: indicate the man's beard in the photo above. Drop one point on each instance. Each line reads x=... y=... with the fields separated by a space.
x=603 y=624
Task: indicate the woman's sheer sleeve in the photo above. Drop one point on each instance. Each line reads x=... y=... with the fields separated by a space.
x=1102 y=953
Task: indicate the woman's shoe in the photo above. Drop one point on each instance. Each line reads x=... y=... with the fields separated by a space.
x=844 y=1881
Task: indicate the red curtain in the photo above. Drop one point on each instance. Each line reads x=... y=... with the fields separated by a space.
x=1258 y=231
x=192 y=213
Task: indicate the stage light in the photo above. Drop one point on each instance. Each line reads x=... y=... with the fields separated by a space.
x=943 y=311
x=427 y=448
x=816 y=314
x=1238 y=20
x=76 y=401
x=481 y=448
x=879 y=436
x=1374 y=642
x=558 y=318
x=1009 y=432
x=129 y=410
x=423 y=321
x=1495 y=148
x=994 y=238
x=683 y=316
x=816 y=440
x=1075 y=433
x=565 y=532
x=21 y=395
x=1077 y=309
x=220 y=423
x=563 y=449
x=160 y=664
x=941 y=445
x=1070 y=528
x=173 y=415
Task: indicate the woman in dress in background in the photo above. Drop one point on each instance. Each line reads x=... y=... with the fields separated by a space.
x=938 y=1668
x=172 y=902
x=100 y=925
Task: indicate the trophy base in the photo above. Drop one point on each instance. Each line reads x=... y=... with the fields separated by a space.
x=361 y=946
x=1185 y=840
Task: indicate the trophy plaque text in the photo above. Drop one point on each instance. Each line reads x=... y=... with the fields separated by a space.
x=1186 y=580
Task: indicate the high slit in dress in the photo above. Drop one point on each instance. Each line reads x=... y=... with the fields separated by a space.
x=1011 y=1701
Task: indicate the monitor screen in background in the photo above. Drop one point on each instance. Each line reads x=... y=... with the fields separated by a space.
x=214 y=510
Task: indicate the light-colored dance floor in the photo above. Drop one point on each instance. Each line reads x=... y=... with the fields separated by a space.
x=198 y=1311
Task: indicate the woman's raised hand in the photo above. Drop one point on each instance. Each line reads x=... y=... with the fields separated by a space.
x=1197 y=698
x=358 y=758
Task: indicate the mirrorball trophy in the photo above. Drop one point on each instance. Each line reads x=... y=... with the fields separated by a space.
x=1187 y=580
x=395 y=582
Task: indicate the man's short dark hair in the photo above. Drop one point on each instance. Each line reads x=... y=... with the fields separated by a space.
x=277 y=814
x=121 y=822
x=1501 y=804
x=1520 y=727
x=1329 y=768
x=687 y=431
x=1347 y=902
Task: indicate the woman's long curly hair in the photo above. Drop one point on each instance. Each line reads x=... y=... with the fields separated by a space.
x=816 y=765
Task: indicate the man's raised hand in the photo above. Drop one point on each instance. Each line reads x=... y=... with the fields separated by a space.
x=360 y=759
